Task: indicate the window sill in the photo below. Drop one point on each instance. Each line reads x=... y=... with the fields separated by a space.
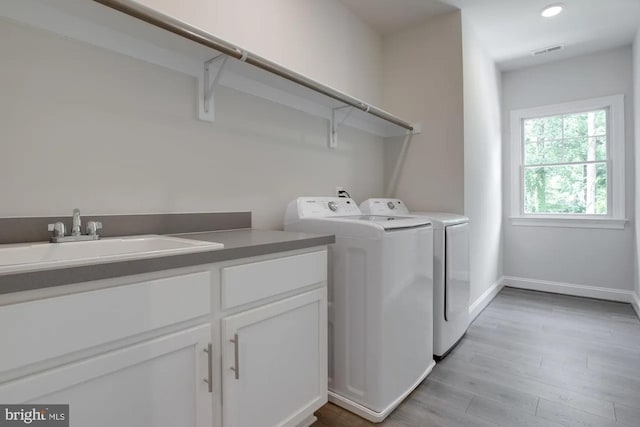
x=569 y=222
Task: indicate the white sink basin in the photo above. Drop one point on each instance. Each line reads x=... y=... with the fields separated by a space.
x=40 y=256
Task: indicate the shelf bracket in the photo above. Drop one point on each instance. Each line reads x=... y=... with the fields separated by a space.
x=336 y=122
x=393 y=182
x=211 y=76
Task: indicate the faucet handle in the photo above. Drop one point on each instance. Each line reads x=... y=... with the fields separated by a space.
x=93 y=227
x=57 y=229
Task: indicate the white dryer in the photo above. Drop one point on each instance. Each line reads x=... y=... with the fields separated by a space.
x=380 y=309
x=451 y=270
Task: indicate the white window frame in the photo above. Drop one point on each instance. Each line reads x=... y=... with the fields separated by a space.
x=615 y=217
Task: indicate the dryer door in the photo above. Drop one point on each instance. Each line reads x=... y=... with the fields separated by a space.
x=456 y=280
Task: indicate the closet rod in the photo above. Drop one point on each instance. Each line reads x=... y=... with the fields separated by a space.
x=192 y=33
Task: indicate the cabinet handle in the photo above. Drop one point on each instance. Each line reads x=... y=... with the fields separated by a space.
x=209 y=379
x=236 y=349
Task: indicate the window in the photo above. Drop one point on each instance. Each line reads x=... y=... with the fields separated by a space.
x=568 y=164
x=565 y=164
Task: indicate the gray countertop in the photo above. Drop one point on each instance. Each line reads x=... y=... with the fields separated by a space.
x=251 y=238
x=242 y=243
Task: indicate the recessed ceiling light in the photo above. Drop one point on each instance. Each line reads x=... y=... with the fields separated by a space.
x=552 y=10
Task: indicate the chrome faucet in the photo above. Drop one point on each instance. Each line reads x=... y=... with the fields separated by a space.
x=58 y=230
x=75 y=231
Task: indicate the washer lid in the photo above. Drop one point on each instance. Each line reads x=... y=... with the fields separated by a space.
x=443 y=219
x=390 y=222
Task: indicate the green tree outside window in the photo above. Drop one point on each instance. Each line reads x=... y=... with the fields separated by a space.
x=565 y=164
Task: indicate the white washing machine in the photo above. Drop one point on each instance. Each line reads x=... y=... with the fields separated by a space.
x=451 y=270
x=380 y=302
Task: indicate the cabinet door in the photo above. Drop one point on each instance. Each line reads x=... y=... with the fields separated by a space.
x=274 y=362
x=157 y=383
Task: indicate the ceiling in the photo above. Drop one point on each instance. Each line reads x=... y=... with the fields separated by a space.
x=389 y=16
x=511 y=29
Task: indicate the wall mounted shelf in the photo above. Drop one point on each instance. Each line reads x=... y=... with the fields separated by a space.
x=129 y=28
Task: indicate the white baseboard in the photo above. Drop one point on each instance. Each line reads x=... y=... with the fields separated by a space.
x=635 y=302
x=569 y=289
x=481 y=303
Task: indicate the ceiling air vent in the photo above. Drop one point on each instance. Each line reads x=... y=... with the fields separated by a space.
x=547 y=50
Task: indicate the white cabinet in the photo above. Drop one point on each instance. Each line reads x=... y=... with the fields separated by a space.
x=274 y=362
x=159 y=383
x=50 y=328
x=132 y=353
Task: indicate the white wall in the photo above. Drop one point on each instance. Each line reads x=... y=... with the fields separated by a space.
x=437 y=73
x=83 y=127
x=423 y=82
x=482 y=162
x=321 y=39
x=199 y=13
x=589 y=257
x=636 y=85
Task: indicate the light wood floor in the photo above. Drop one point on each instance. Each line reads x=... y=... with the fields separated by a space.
x=530 y=359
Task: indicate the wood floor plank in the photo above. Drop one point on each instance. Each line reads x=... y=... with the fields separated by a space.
x=505 y=416
x=469 y=349
x=631 y=338
x=512 y=342
x=572 y=340
x=627 y=416
x=565 y=359
x=599 y=386
x=430 y=409
x=528 y=380
x=330 y=415
x=610 y=390
x=487 y=387
x=630 y=319
x=600 y=364
x=351 y=420
x=588 y=305
x=552 y=343
x=571 y=417
x=433 y=393
x=607 y=379
x=530 y=359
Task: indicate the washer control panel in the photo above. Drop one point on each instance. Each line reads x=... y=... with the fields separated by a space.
x=384 y=207
x=318 y=207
